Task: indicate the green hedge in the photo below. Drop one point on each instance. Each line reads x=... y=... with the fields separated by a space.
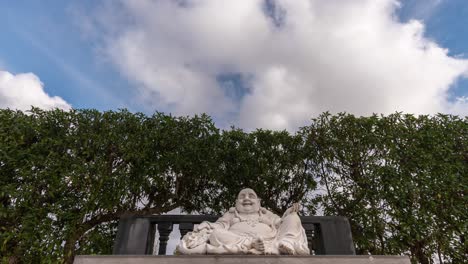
x=67 y=177
x=401 y=180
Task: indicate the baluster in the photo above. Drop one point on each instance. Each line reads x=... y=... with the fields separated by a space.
x=164 y=230
x=309 y=230
x=185 y=228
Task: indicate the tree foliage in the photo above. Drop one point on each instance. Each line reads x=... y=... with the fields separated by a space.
x=67 y=177
x=401 y=180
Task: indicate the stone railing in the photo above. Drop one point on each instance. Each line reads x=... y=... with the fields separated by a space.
x=326 y=235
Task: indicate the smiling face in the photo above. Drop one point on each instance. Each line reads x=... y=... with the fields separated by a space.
x=247 y=202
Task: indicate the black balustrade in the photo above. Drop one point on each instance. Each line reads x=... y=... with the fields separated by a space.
x=326 y=235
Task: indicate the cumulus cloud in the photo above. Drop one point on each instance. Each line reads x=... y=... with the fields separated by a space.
x=292 y=59
x=21 y=91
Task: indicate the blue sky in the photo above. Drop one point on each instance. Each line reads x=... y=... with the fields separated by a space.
x=446 y=22
x=77 y=55
x=42 y=37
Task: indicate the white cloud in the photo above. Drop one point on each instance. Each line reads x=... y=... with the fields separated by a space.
x=21 y=91
x=313 y=56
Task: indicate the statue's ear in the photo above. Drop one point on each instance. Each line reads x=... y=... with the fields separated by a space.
x=263 y=210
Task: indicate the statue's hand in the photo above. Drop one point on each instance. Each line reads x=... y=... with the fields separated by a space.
x=194 y=239
x=293 y=209
x=202 y=226
x=259 y=245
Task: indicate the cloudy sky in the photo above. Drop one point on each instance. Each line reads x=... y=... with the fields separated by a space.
x=250 y=63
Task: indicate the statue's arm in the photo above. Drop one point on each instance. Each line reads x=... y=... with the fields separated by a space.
x=277 y=221
x=270 y=218
x=293 y=209
x=225 y=221
x=222 y=222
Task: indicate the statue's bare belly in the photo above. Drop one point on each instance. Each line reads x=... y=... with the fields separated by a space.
x=259 y=229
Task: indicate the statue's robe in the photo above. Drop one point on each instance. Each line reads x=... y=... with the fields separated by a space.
x=234 y=233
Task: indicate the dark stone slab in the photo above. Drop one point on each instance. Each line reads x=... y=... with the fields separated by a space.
x=137 y=238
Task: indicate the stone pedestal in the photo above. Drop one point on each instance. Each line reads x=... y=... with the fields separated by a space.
x=241 y=259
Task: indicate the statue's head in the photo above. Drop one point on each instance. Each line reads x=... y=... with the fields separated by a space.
x=247 y=202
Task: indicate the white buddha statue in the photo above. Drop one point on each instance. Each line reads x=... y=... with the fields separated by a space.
x=248 y=228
